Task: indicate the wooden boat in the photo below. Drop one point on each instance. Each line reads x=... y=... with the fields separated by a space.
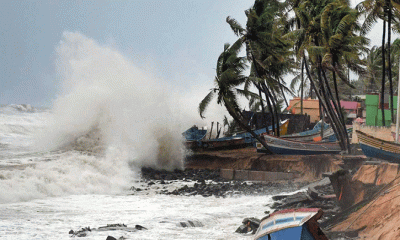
x=193 y=137
x=288 y=147
x=312 y=135
x=377 y=148
x=332 y=138
x=225 y=142
x=291 y=224
x=283 y=127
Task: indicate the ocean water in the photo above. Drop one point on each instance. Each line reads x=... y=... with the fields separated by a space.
x=72 y=165
x=44 y=194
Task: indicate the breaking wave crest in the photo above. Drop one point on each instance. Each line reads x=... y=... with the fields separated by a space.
x=106 y=101
x=109 y=119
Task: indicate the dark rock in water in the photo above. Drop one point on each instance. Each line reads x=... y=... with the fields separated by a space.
x=209 y=183
x=110 y=227
x=138 y=227
x=113 y=225
x=190 y=223
x=243 y=229
x=249 y=225
x=111 y=238
x=80 y=233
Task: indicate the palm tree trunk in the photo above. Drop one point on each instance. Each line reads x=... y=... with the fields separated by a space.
x=274 y=103
x=325 y=106
x=329 y=99
x=389 y=60
x=302 y=87
x=262 y=106
x=283 y=94
x=270 y=106
x=383 y=74
x=245 y=127
x=266 y=96
x=339 y=109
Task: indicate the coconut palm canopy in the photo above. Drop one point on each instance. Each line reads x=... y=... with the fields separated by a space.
x=317 y=42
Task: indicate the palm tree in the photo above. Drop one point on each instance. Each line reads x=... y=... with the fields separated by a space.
x=341 y=49
x=267 y=52
x=229 y=75
x=384 y=10
x=373 y=64
x=325 y=31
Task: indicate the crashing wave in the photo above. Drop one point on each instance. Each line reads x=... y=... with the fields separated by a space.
x=91 y=143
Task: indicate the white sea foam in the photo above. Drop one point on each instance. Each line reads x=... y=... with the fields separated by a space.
x=102 y=89
x=108 y=118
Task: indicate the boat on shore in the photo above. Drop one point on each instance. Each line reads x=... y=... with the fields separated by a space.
x=283 y=127
x=313 y=134
x=225 y=142
x=291 y=224
x=194 y=136
x=377 y=148
x=288 y=147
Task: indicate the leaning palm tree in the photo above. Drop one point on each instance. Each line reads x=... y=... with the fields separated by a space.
x=341 y=48
x=229 y=75
x=267 y=52
x=316 y=32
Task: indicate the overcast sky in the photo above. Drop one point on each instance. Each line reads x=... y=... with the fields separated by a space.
x=177 y=40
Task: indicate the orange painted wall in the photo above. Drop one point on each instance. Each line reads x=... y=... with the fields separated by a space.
x=310 y=107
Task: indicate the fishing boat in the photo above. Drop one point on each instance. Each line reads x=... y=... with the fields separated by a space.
x=249 y=139
x=193 y=137
x=377 y=148
x=225 y=142
x=291 y=224
x=313 y=134
x=288 y=147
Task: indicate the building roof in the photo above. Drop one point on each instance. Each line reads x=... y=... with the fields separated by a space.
x=349 y=105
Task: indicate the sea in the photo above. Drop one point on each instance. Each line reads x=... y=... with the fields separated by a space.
x=72 y=165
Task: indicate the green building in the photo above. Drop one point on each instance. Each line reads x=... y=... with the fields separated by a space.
x=374 y=113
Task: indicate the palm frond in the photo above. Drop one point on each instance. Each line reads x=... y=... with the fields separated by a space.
x=205 y=102
x=235 y=26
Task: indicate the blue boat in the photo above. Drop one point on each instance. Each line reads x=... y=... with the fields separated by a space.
x=311 y=135
x=193 y=136
x=377 y=148
x=291 y=224
x=249 y=139
x=287 y=147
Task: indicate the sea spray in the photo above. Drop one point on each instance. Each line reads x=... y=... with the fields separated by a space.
x=108 y=120
x=103 y=91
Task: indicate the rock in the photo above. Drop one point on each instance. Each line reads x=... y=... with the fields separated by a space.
x=138 y=227
x=80 y=233
x=191 y=223
x=111 y=238
x=242 y=229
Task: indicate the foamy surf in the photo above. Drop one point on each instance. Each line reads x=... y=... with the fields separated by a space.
x=108 y=120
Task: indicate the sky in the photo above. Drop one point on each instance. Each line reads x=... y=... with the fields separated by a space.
x=177 y=41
